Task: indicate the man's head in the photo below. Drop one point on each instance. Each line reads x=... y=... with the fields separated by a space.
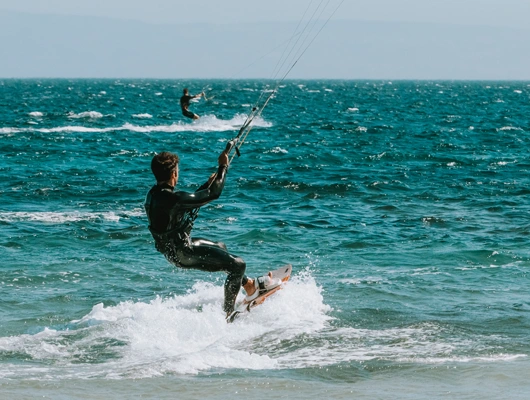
x=185 y=91
x=164 y=165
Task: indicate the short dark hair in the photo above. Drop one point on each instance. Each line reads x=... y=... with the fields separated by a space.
x=163 y=164
x=185 y=91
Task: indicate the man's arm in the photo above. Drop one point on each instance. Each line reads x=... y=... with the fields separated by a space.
x=210 y=190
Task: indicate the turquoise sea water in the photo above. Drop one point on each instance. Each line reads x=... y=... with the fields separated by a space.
x=404 y=208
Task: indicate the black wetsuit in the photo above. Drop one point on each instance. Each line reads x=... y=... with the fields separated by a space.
x=171 y=215
x=184 y=104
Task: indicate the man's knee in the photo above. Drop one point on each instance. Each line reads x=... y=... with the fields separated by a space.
x=240 y=265
x=171 y=256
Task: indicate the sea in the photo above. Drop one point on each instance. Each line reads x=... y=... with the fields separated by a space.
x=403 y=207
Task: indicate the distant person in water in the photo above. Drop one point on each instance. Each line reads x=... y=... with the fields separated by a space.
x=185 y=103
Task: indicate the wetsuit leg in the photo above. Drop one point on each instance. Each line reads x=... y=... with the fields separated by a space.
x=209 y=256
x=189 y=114
x=199 y=241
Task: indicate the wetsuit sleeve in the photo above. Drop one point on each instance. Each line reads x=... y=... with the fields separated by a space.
x=205 y=193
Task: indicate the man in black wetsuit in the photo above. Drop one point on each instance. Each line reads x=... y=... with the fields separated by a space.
x=171 y=215
x=185 y=103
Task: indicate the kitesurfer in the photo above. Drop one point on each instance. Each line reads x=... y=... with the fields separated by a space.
x=171 y=215
x=185 y=103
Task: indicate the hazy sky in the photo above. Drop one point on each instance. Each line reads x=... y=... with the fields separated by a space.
x=507 y=13
x=366 y=39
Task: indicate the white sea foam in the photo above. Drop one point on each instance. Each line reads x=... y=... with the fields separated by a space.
x=210 y=123
x=8 y=131
x=187 y=334
x=36 y=114
x=424 y=343
x=71 y=128
x=180 y=335
x=62 y=217
x=353 y=109
x=277 y=150
x=142 y=116
x=86 y=114
x=207 y=123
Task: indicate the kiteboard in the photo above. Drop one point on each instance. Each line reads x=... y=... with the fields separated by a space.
x=280 y=275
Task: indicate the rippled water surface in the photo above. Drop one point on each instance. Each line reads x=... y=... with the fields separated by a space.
x=404 y=208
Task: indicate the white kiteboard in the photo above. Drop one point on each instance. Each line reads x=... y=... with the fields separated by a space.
x=282 y=274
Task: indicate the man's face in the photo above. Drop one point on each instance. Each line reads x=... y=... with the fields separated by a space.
x=176 y=174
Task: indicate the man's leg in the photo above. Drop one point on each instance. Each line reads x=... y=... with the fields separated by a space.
x=209 y=256
x=201 y=241
x=189 y=114
x=246 y=282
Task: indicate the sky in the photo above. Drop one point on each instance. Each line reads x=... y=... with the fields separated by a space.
x=365 y=39
x=507 y=13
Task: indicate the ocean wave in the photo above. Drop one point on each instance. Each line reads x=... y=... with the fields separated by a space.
x=142 y=116
x=86 y=114
x=36 y=114
x=277 y=150
x=8 y=131
x=208 y=123
x=181 y=335
x=187 y=334
x=426 y=343
x=60 y=218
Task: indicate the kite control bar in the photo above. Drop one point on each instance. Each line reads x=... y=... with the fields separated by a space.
x=242 y=134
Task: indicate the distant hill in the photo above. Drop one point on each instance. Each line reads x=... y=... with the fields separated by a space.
x=62 y=46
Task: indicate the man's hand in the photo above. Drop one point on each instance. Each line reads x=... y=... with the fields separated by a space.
x=222 y=160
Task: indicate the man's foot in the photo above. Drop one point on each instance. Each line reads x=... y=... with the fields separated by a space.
x=251 y=288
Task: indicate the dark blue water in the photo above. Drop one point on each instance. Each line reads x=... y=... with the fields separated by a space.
x=403 y=207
